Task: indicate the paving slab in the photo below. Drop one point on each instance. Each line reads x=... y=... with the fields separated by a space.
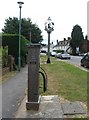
x=50 y=107
x=72 y=108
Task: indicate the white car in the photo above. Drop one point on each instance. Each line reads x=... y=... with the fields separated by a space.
x=57 y=55
x=43 y=52
x=53 y=53
x=64 y=55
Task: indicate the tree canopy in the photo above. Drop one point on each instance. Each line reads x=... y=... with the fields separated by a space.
x=28 y=29
x=76 y=38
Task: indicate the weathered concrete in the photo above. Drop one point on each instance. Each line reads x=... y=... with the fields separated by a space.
x=50 y=107
x=72 y=108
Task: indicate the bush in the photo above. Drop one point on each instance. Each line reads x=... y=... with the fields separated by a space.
x=59 y=51
x=4 y=56
x=12 y=41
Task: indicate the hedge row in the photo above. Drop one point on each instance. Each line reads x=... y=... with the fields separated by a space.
x=4 y=56
x=12 y=41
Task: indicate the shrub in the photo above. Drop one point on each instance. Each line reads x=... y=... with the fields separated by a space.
x=12 y=41
x=60 y=51
x=4 y=56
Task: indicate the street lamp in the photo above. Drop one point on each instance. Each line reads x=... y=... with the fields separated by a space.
x=19 y=61
x=49 y=27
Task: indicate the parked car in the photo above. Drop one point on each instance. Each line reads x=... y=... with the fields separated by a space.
x=85 y=60
x=57 y=55
x=82 y=54
x=64 y=55
x=43 y=52
x=53 y=53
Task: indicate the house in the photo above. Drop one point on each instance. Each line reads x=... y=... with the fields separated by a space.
x=45 y=47
x=63 y=45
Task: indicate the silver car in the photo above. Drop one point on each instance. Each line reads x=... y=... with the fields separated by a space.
x=63 y=55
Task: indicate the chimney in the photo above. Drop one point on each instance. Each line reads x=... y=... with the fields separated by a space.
x=57 y=42
x=69 y=38
x=64 y=39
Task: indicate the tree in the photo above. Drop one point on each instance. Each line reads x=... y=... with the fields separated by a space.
x=27 y=27
x=77 y=39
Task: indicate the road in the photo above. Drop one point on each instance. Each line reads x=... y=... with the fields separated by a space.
x=13 y=91
x=75 y=60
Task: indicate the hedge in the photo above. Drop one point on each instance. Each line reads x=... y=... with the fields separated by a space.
x=12 y=41
x=4 y=56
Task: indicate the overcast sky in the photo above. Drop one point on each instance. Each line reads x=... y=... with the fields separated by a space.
x=64 y=13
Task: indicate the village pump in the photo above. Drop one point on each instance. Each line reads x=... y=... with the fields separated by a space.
x=33 y=97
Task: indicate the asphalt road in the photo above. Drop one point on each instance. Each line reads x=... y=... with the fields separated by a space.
x=75 y=60
x=13 y=91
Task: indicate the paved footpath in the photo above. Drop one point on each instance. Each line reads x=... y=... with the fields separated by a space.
x=50 y=107
x=13 y=91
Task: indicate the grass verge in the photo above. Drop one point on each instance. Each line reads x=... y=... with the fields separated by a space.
x=7 y=76
x=65 y=80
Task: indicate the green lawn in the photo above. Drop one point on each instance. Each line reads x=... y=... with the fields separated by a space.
x=65 y=80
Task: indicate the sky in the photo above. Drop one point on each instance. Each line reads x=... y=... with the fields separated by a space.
x=64 y=13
